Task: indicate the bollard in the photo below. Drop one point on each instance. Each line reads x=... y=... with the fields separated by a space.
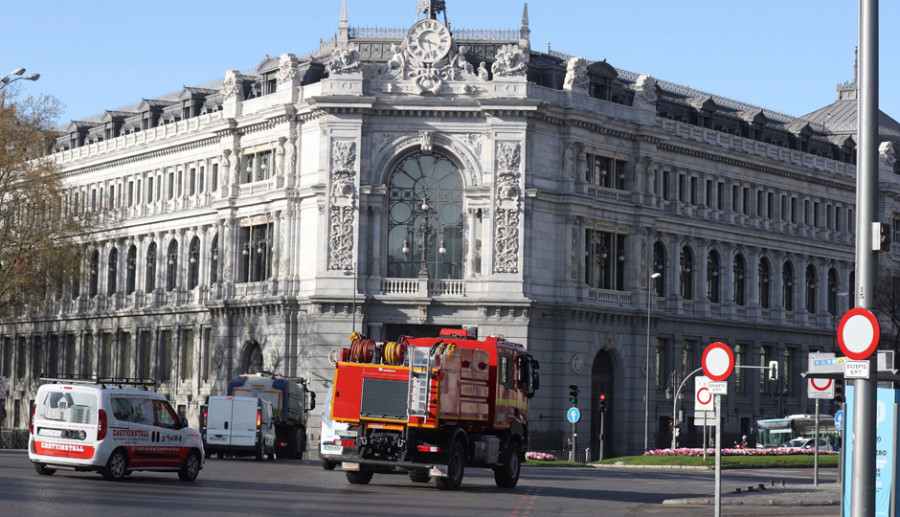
x=587 y=455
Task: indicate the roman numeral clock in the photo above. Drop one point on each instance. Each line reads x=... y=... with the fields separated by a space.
x=428 y=40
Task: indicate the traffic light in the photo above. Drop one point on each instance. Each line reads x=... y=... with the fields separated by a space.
x=838 y=392
x=604 y=403
x=573 y=394
x=881 y=237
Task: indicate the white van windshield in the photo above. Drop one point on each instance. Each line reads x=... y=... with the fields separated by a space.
x=66 y=405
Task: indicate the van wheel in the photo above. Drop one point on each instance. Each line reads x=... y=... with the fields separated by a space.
x=361 y=476
x=44 y=470
x=455 y=468
x=191 y=467
x=116 y=466
x=507 y=474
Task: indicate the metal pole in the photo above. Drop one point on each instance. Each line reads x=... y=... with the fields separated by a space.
x=647 y=373
x=572 y=451
x=862 y=480
x=718 y=404
x=816 y=445
x=705 y=427
x=602 y=422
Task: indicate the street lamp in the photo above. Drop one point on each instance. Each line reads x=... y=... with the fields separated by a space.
x=16 y=75
x=647 y=371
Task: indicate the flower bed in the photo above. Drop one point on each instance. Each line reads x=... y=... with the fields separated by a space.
x=781 y=451
x=539 y=456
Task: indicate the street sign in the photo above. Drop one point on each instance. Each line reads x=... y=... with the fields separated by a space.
x=705 y=418
x=820 y=388
x=718 y=361
x=703 y=399
x=573 y=415
x=858 y=333
x=718 y=387
x=856 y=370
x=839 y=420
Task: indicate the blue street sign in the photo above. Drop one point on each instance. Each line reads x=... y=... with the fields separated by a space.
x=573 y=415
x=839 y=420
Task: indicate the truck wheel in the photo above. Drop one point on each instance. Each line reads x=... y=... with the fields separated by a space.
x=419 y=476
x=328 y=465
x=191 y=467
x=43 y=470
x=507 y=474
x=116 y=465
x=455 y=468
x=361 y=476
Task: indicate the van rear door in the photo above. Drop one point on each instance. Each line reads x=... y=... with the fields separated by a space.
x=244 y=418
x=218 y=421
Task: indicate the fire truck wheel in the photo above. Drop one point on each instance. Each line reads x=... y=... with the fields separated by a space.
x=328 y=465
x=507 y=474
x=455 y=469
x=361 y=476
x=419 y=476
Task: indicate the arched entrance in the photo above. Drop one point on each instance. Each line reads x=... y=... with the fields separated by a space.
x=602 y=384
x=251 y=358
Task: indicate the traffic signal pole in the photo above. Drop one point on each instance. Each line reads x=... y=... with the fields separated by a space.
x=862 y=488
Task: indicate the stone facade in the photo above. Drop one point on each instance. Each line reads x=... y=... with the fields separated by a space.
x=255 y=222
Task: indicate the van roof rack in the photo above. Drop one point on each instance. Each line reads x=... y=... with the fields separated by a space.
x=116 y=381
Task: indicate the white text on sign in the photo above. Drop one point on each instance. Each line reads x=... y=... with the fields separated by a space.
x=856 y=370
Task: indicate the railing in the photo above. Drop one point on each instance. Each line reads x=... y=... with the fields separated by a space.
x=415 y=287
x=609 y=296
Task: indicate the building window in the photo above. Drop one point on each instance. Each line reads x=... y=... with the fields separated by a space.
x=256 y=167
x=214 y=261
x=739 y=282
x=712 y=277
x=425 y=218
x=194 y=263
x=172 y=265
x=765 y=298
x=215 y=177
x=811 y=289
x=131 y=268
x=605 y=172
x=192 y=179
x=112 y=271
x=256 y=250
x=832 y=291
x=687 y=273
x=687 y=358
x=164 y=366
x=787 y=286
x=661 y=362
x=205 y=353
x=95 y=273
x=740 y=359
x=150 y=272
x=765 y=355
x=851 y=281
x=187 y=354
x=659 y=266
x=789 y=381
x=605 y=260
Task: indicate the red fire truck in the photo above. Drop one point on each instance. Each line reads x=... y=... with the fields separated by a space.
x=433 y=406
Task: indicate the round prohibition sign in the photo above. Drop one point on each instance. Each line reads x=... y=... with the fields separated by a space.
x=858 y=333
x=704 y=393
x=718 y=361
x=817 y=383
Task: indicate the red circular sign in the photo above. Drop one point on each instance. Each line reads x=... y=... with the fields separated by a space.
x=858 y=333
x=708 y=397
x=718 y=362
x=814 y=382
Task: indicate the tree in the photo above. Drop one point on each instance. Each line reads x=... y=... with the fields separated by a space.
x=39 y=250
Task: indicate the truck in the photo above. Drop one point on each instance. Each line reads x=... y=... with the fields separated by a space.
x=432 y=406
x=291 y=404
x=240 y=426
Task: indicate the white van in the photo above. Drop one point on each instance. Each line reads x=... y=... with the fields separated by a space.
x=240 y=426
x=101 y=426
x=330 y=447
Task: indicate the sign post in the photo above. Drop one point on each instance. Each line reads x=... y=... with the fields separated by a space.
x=818 y=389
x=718 y=363
x=574 y=416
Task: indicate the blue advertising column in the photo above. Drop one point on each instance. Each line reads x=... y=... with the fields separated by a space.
x=886 y=452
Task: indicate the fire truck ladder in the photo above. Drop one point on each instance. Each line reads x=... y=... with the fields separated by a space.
x=420 y=366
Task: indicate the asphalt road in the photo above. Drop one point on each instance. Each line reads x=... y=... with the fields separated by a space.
x=233 y=487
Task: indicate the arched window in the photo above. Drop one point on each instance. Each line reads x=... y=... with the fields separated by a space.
x=150 y=281
x=832 y=292
x=712 y=276
x=659 y=266
x=95 y=272
x=425 y=218
x=252 y=358
x=112 y=271
x=194 y=264
x=172 y=265
x=131 y=268
x=811 y=288
x=739 y=271
x=787 y=286
x=214 y=261
x=687 y=273
x=765 y=298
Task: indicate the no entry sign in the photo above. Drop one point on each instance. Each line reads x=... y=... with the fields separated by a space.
x=820 y=388
x=703 y=399
x=718 y=362
x=858 y=334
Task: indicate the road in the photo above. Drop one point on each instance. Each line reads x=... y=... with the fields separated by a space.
x=233 y=487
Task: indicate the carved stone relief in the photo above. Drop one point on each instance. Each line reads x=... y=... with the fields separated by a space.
x=509 y=159
x=286 y=71
x=510 y=61
x=342 y=201
x=577 y=79
x=645 y=93
x=344 y=61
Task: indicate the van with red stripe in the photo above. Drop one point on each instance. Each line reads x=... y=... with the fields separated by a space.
x=100 y=425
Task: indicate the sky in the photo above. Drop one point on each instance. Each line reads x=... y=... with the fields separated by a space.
x=784 y=55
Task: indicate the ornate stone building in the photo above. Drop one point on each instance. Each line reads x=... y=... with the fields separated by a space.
x=396 y=182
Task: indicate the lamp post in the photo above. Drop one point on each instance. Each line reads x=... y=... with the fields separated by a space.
x=653 y=276
x=16 y=75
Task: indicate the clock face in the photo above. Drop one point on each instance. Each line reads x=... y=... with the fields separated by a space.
x=428 y=40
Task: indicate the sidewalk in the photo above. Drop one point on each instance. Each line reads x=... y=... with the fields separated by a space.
x=826 y=494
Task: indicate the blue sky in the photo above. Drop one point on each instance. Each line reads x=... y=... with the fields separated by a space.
x=784 y=55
